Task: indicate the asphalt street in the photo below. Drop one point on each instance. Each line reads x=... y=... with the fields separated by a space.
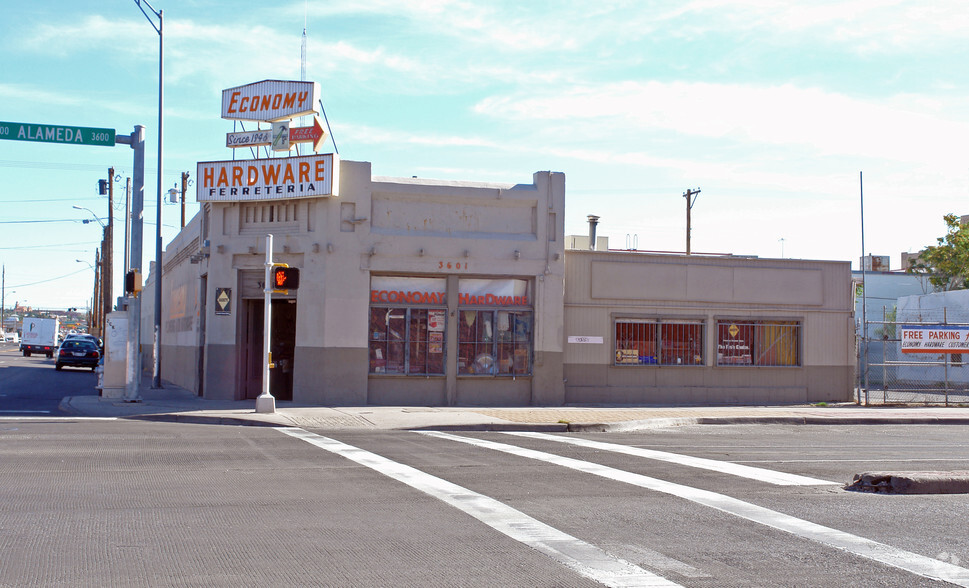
x=31 y=385
x=114 y=502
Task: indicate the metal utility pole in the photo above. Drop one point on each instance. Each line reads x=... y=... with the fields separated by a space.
x=108 y=252
x=156 y=347
x=690 y=196
x=127 y=223
x=864 y=289
x=135 y=242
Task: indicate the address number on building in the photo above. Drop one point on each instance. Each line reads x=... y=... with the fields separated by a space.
x=455 y=265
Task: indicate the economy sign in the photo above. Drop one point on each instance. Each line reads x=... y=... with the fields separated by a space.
x=280 y=178
x=66 y=134
x=270 y=100
x=935 y=339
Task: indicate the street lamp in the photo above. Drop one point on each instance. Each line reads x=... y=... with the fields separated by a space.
x=160 y=29
x=86 y=221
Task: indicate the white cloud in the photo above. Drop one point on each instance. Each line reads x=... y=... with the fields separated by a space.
x=784 y=115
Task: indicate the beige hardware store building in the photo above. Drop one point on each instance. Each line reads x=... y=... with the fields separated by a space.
x=420 y=292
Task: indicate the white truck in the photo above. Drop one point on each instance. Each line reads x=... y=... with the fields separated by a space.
x=39 y=335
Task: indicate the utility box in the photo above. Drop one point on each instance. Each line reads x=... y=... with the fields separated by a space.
x=115 y=355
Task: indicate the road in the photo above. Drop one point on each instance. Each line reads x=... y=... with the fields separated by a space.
x=31 y=385
x=114 y=502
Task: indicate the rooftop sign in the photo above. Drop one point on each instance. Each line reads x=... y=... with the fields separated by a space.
x=270 y=100
x=280 y=178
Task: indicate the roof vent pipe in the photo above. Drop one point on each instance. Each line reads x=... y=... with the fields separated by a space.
x=593 y=221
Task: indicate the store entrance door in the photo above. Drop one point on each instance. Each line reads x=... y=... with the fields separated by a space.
x=283 y=342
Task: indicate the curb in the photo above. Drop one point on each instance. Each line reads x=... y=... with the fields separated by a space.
x=956 y=482
x=197 y=419
x=657 y=423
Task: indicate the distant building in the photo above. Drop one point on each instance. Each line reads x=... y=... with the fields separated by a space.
x=876 y=263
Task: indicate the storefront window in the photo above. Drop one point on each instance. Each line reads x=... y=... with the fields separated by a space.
x=758 y=343
x=494 y=340
x=659 y=342
x=407 y=337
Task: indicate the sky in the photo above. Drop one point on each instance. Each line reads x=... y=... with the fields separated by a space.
x=786 y=116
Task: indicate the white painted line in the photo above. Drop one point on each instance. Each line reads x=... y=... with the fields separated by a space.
x=579 y=556
x=725 y=467
x=920 y=565
x=56 y=418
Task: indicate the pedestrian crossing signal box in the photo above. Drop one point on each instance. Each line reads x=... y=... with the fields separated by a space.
x=132 y=282
x=285 y=278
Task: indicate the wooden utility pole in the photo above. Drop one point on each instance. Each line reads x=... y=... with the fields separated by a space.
x=184 y=187
x=96 y=309
x=690 y=196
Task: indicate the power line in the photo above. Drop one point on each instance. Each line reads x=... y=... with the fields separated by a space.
x=64 y=166
x=83 y=269
x=68 y=220
x=53 y=220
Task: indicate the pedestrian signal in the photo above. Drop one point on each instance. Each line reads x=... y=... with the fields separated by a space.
x=132 y=282
x=285 y=278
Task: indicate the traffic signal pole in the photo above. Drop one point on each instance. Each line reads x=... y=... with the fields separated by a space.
x=265 y=402
x=136 y=246
x=107 y=252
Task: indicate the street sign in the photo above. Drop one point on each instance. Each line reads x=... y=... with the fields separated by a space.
x=66 y=134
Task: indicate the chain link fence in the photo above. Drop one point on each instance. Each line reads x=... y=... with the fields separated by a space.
x=887 y=375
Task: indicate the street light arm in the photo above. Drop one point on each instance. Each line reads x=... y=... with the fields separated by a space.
x=92 y=214
x=153 y=11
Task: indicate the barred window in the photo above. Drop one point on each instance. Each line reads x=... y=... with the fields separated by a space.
x=659 y=342
x=407 y=340
x=758 y=343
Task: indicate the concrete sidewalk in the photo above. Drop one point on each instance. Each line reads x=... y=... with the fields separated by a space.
x=175 y=404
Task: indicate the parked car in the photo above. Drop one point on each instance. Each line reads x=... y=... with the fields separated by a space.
x=11 y=337
x=77 y=352
x=85 y=337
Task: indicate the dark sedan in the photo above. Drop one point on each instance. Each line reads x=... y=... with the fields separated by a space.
x=77 y=353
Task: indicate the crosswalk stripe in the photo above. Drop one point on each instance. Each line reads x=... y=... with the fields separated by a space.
x=920 y=565
x=725 y=467
x=584 y=558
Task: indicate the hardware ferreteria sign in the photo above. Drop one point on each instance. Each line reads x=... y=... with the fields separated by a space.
x=280 y=178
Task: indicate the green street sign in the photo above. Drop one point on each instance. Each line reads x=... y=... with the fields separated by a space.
x=69 y=135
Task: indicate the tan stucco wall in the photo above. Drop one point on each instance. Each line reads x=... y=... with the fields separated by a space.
x=604 y=286
x=414 y=227
x=375 y=226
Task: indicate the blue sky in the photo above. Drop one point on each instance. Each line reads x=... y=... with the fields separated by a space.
x=771 y=110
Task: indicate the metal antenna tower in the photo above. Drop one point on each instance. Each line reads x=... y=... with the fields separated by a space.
x=302 y=50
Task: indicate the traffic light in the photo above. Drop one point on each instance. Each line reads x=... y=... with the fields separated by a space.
x=103 y=187
x=285 y=278
x=132 y=282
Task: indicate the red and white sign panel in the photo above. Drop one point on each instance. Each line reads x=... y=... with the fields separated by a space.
x=935 y=339
x=281 y=178
x=270 y=100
